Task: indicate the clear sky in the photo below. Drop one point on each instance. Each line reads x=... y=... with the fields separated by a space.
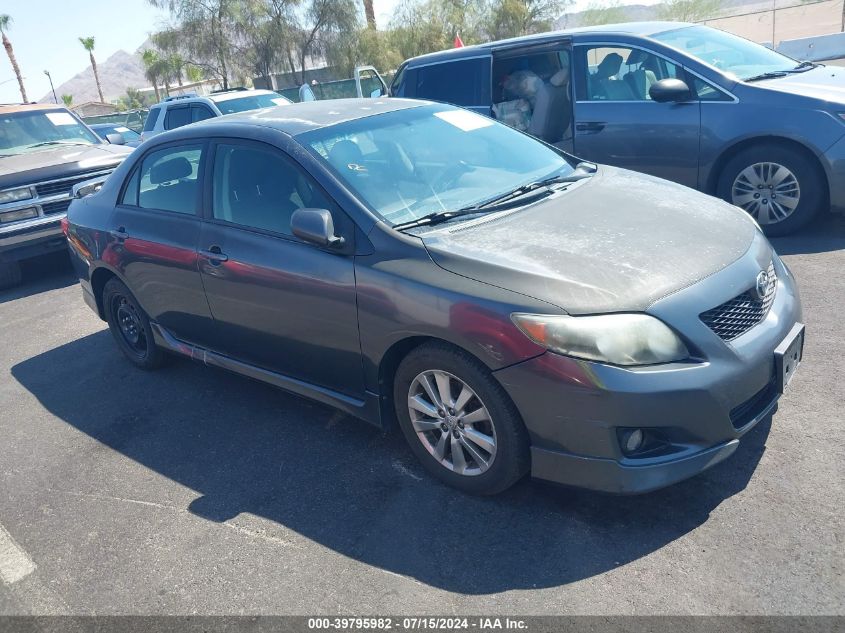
x=45 y=36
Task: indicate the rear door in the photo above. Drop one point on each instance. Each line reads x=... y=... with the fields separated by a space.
x=368 y=83
x=155 y=230
x=617 y=123
x=277 y=302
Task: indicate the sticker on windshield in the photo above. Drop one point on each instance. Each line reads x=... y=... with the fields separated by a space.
x=463 y=120
x=121 y=129
x=280 y=101
x=60 y=118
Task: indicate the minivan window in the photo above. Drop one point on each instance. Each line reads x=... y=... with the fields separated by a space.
x=730 y=54
x=177 y=117
x=404 y=164
x=465 y=82
x=169 y=179
x=619 y=73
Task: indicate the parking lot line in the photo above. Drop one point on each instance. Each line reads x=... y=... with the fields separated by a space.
x=15 y=563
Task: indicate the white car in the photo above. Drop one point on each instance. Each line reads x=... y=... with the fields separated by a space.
x=181 y=110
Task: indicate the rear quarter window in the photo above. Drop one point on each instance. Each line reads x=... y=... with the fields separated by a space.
x=152 y=117
x=464 y=82
x=177 y=117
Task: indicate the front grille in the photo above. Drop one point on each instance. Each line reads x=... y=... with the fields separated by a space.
x=747 y=411
x=735 y=317
x=55 y=207
x=66 y=185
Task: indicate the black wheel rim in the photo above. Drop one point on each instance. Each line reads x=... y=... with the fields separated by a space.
x=129 y=325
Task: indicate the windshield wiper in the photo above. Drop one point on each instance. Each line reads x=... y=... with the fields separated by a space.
x=774 y=74
x=44 y=143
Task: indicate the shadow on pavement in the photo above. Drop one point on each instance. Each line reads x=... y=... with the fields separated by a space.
x=824 y=235
x=40 y=274
x=246 y=447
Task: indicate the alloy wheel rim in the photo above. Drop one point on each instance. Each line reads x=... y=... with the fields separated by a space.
x=770 y=192
x=129 y=323
x=452 y=422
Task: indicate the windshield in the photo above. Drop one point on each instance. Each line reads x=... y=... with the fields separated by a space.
x=731 y=54
x=410 y=163
x=251 y=102
x=38 y=130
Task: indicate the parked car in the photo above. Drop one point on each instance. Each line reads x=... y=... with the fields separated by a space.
x=44 y=151
x=107 y=131
x=181 y=110
x=685 y=102
x=512 y=308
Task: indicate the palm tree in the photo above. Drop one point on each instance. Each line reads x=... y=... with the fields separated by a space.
x=152 y=67
x=68 y=100
x=88 y=45
x=370 y=13
x=5 y=23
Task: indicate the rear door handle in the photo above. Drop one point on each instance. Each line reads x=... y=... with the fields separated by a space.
x=119 y=233
x=214 y=254
x=590 y=126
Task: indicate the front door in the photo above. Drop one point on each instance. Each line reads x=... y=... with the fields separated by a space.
x=278 y=303
x=155 y=230
x=617 y=123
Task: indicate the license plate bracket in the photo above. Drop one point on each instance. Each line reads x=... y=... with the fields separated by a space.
x=788 y=356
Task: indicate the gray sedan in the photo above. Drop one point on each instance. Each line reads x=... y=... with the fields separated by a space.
x=513 y=309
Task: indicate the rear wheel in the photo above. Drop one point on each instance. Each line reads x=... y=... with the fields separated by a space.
x=10 y=274
x=458 y=420
x=130 y=326
x=779 y=187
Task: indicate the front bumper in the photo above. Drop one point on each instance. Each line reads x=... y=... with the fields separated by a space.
x=694 y=412
x=39 y=237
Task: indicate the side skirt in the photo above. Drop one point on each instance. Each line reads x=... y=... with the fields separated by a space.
x=367 y=409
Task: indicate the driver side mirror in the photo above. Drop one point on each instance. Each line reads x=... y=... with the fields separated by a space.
x=669 y=90
x=115 y=138
x=316 y=227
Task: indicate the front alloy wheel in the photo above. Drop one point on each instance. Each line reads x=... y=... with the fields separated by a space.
x=768 y=191
x=452 y=422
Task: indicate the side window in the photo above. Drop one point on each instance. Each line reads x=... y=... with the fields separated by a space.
x=177 y=117
x=615 y=73
x=152 y=117
x=130 y=193
x=169 y=179
x=464 y=83
x=260 y=188
x=397 y=86
x=370 y=83
x=200 y=112
x=707 y=92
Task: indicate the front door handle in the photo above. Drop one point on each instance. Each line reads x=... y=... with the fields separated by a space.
x=119 y=233
x=590 y=126
x=215 y=255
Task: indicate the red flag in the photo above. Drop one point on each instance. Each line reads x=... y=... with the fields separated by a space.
x=458 y=42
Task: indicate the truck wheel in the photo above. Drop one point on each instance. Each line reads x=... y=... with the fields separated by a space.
x=10 y=274
x=780 y=188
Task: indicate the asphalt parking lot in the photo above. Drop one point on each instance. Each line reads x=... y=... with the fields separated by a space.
x=193 y=491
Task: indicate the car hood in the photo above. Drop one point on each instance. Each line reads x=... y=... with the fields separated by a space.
x=824 y=82
x=617 y=242
x=58 y=161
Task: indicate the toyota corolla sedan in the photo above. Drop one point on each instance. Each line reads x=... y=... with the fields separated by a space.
x=510 y=308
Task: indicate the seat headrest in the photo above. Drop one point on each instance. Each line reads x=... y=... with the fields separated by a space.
x=636 y=56
x=172 y=169
x=345 y=153
x=560 y=77
x=609 y=66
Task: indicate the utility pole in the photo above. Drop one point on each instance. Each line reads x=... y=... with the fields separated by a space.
x=47 y=72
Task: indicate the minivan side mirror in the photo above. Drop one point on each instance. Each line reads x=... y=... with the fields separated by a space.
x=115 y=138
x=315 y=226
x=667 y=90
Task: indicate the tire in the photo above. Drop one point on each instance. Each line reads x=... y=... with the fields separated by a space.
x=130 y=326
x=494 y=417
x=10 y=274
x=743 y=175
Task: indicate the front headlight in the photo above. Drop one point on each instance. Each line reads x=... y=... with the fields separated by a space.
x=13 y=195
x=621 y=339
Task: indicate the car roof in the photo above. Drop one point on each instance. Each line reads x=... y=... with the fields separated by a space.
x=297 y=118
x=236 y=94
x=642 y=29
x=28 y=107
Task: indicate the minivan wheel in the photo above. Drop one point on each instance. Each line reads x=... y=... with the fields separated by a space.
x=458 y=420
x=130 y=326
x=780 y=188
x=10 y=274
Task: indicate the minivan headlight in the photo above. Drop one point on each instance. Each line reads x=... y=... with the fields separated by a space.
x=620 y=339
x=13 y=195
